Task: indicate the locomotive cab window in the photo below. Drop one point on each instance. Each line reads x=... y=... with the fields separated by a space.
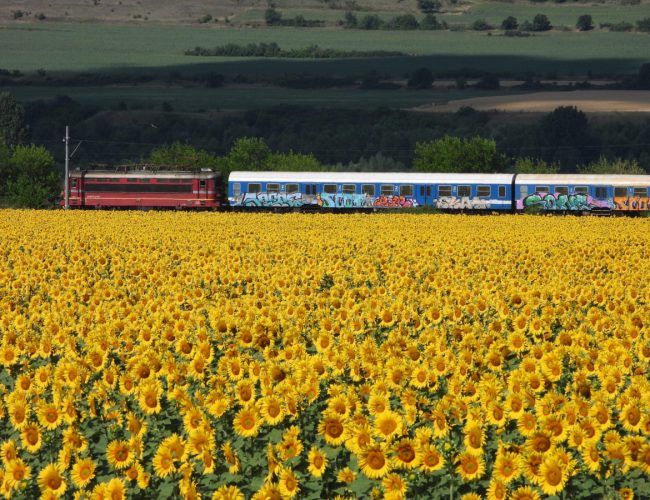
x=406 y=190
x=483 y=191
x=329 y=188
x=291 y=188
x=620 y=192
x=502 y=191
x=202 y=184
x=464 y=191
x=349 y=189
x=640 y=191
x=236 y=189
x=562 y=190
x=601 y=192
x=581 y=190
x=272 y=188
x=444 y=190
x=254 y=188
x=368 y=189
x=387 y=190
x=74 y=183
x=542 y=189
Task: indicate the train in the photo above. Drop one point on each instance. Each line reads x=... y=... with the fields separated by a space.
x=359 y=191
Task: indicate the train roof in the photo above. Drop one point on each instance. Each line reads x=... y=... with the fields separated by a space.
x=144 y=174
x=370 y=177
x=584 y=179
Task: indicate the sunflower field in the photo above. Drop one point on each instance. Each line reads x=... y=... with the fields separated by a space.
x=232 y=356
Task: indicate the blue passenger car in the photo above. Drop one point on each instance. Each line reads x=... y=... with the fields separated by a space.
x=368 y=190
x=581 y=192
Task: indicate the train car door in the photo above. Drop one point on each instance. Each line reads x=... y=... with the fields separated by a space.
x=622 y=198
x=74 y=191
x=203 y=189
x=425 y=194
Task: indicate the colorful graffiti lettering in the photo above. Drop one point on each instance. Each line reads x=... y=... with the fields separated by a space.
x=464 y=202
x=394 y=202
x=632 y=203
x=264 y=199
x=557 y=201
x=344 y=200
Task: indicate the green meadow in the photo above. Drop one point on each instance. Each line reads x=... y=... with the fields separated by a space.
x=136 y=48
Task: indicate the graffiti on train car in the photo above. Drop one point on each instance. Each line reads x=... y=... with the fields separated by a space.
x=632 y=203
x=344 y=200
x=264 y=199
x=463 y=202
x=561 y=201
x=392 y=201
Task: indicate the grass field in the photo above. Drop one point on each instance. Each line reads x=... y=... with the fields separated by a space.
x=197 y=99
x=106 y=47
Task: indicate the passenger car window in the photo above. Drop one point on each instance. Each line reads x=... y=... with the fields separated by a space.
x=620 y=192
x=464 y=191
x=368 y=189
x=483 y=191
x=581 y=190
x=349 y=189
x=291 y=188
x=387 y=190
x=329 y=188
x=272 y=188
x=444 y=190
x=406 y=190
x=561 y=190
x=255 y=188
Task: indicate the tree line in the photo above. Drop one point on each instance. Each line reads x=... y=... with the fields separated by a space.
x=288 y=138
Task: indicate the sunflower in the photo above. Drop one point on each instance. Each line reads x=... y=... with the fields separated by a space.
x=231 y=458
x=346 y=475
x=49 y=416
x=119 y=454
x=394 y=486
x=378 y=403
x=163 y=463
x=553 y=475
x=177 y=447
x=288 y=484
x=360 y=436
x=149 y=398
x=16 y=471
x=524 y=493
x=317 y=462
x=630 y=416
x=83 y=471
x=272 y=410
x=247 y=422
x=332 y=428
x=374 y=462
x=115 y=489
x=8 y=451
x=431 y=459
x=497 y=490
x=470 y=466
x=388 y=425
x=50 y=480
x=228 y=493
x=18 y=413
x=507 y=467
x=406 y=454
x=200 y=440
x=539 y=442
x=31 y=438
x=474 y=438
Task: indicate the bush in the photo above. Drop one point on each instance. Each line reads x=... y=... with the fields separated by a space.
x=509 y=23
x=481 y=25
x=541 y=23
x=429 y=6
x=643 y=25
x=371 y=22
x=618 y=27
x=205 y=19
x=405 y=22
x=585 y=23
x=429 y=22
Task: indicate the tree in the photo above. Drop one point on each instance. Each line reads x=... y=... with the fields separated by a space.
x=182 y=157
x=643 y=25
x=12 y=120
x=405 y=22
x=453 y=154
x=529 y=165
x=371 y=22
x=272 y=17
x=481 y=25
x=420 y=79
x=564 y=132
x=429 y=6
x=293 y=162
x=509 y=23
x=541 y=23
x=585 y=23
x=429 y=22
x=33 y=182
x=350 y=20
x=617 y=166
x=247 y=153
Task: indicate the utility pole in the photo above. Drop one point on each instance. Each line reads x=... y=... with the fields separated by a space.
x=67 y=173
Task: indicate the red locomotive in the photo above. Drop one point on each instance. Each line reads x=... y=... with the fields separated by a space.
x=143 y=188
